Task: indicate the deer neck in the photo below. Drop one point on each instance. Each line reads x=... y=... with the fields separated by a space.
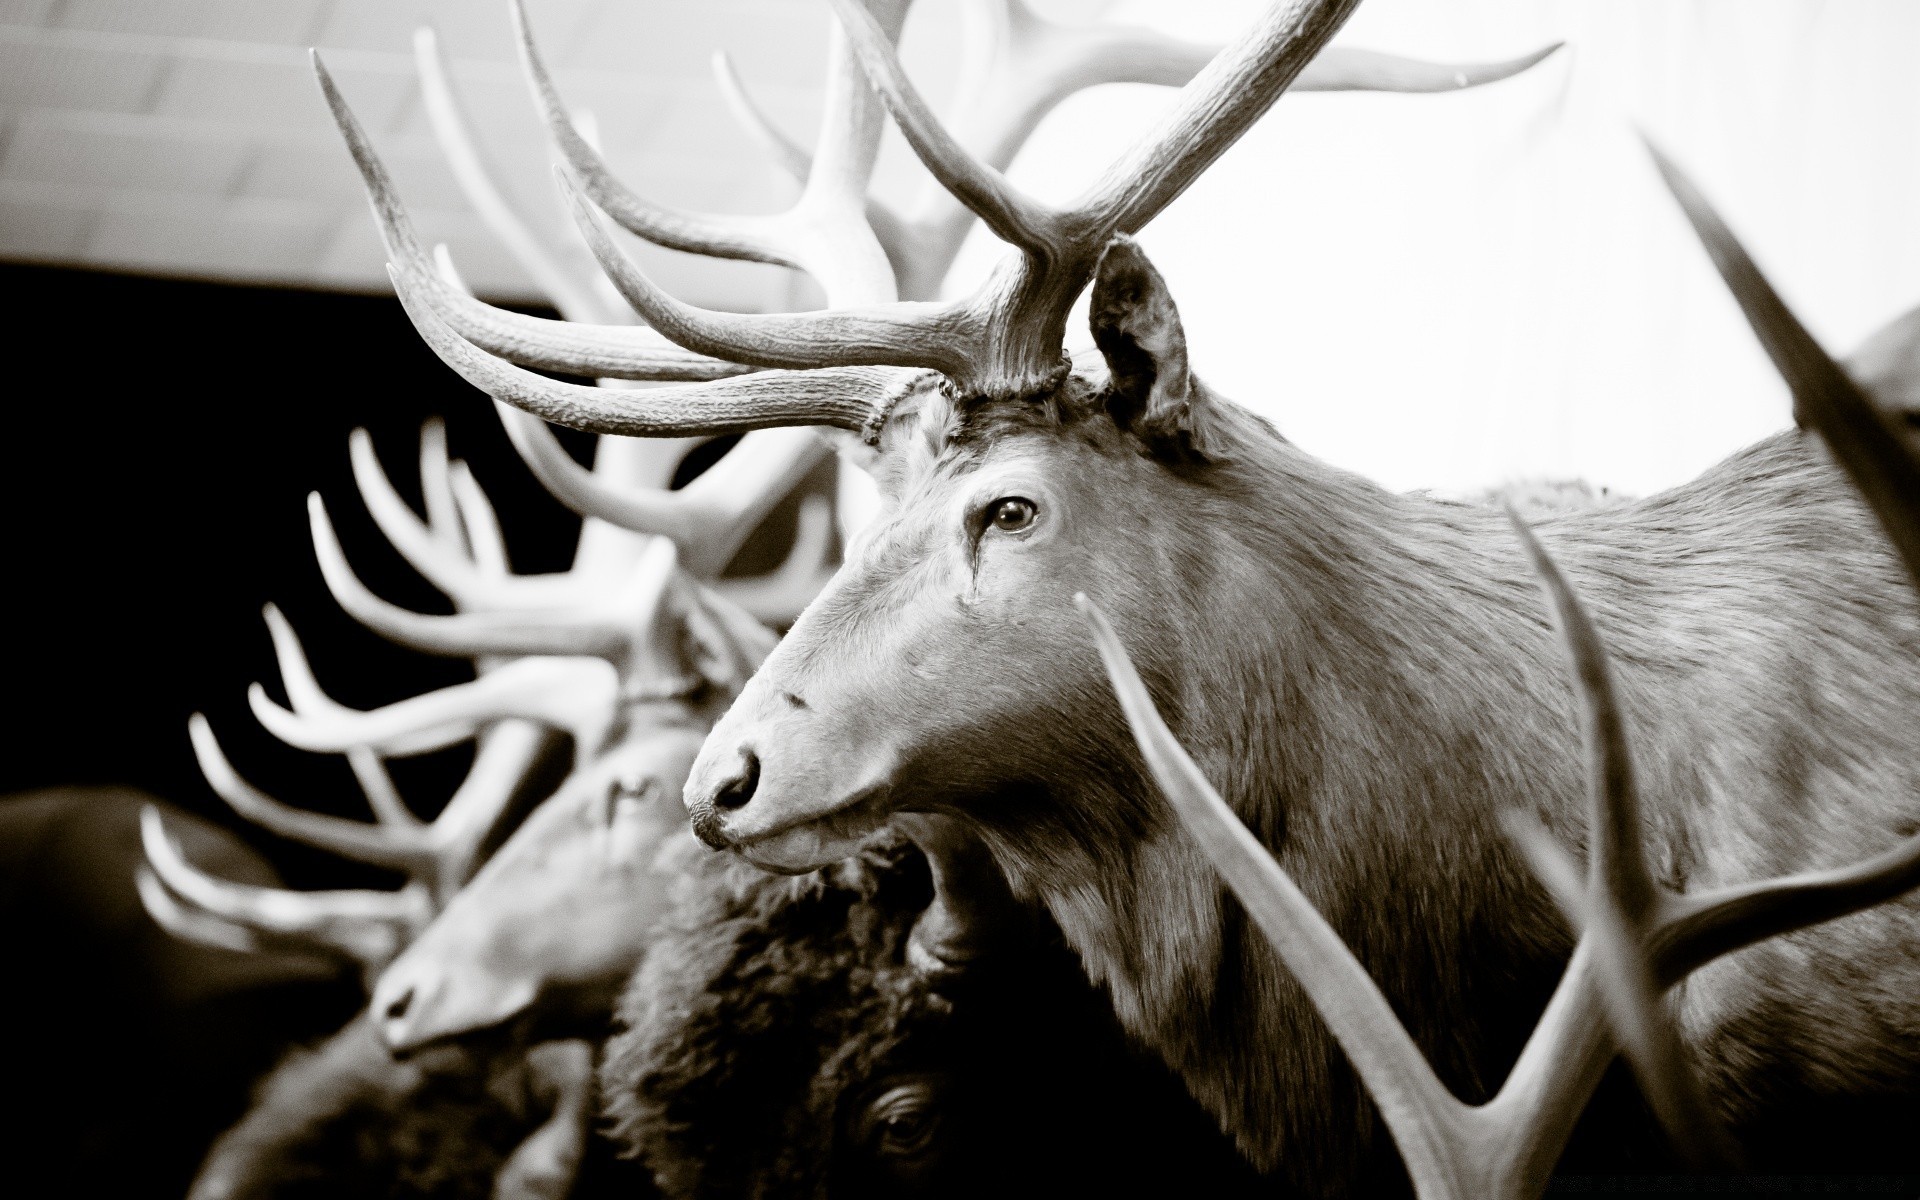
x=1363 y=710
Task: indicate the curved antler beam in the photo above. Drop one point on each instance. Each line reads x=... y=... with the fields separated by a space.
x=736 y=237
x=852 y=398
x=576 y=695
x=349 y=839
x=370 y=927
x=296 y=674
x=613 y=351
x=709 y=518
x=902 y=333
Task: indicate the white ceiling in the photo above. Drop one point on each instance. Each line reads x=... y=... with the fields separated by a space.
x=187 y=136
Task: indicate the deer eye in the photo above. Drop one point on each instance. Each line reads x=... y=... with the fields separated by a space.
x=1011 y=514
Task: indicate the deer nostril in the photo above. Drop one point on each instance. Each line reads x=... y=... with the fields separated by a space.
x=739 y=790
x=398 y=1006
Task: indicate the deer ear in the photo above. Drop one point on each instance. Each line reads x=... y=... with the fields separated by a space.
x=1150 y=390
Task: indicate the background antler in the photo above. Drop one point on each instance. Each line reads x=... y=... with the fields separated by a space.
x=856 y=363
x=1022 y=66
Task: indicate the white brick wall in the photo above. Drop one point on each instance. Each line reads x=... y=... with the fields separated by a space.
x=186 y=137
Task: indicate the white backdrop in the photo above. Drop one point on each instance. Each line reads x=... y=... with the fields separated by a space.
x=1449 y=291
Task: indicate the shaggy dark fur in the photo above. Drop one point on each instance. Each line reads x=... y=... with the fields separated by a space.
x=346 y=1118
x=765 y=1032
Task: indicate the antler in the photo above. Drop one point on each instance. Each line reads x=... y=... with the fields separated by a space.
x=576 y=300
x=575 y=695
x=1034 y=64
x=824 y=234
x=441 y=853
x=1005 y=340
x=367 y=927
x=1863 y=438
x=632 y=625
x=708 y=520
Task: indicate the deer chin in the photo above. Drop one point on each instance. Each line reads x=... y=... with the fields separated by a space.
x=805 y=841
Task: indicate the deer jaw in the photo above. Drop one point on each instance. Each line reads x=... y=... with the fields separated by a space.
x=589 y=861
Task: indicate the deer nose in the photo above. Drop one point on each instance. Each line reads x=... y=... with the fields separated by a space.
x=738 y=791
x=393 y=1018
x=730 y=793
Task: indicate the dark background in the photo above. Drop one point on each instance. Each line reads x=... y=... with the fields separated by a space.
x=163 y=438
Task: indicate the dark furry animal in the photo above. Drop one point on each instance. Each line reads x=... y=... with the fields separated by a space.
x=347 y=1118
x=778 y=1041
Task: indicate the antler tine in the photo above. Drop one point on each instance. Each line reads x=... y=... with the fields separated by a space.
x=779 y=596
x=791 y=157
x=350 y=839
x=908 y=334
x=575 y=695
x=441 y=555
x=708 y=518
x=695 y=233
x=451 y=130
x=480 y=522
x=824 y=234
x=1224 y=99
x=1825 y=398
x=1419 y=1111
x=1622 y=900
x=1349 y=69
x=436 y=487
x=436 y=551
x=1046 y=62
x=612 y=351
x=554 y=631
x=851 y=398
x=190 y=924
x=296 y=673
x=370 y=927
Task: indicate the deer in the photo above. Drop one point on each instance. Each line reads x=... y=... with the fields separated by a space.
x=654 y=631
x=825 y=234
x=1380 y=687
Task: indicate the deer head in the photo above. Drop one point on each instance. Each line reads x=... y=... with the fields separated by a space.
x=988 y=443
